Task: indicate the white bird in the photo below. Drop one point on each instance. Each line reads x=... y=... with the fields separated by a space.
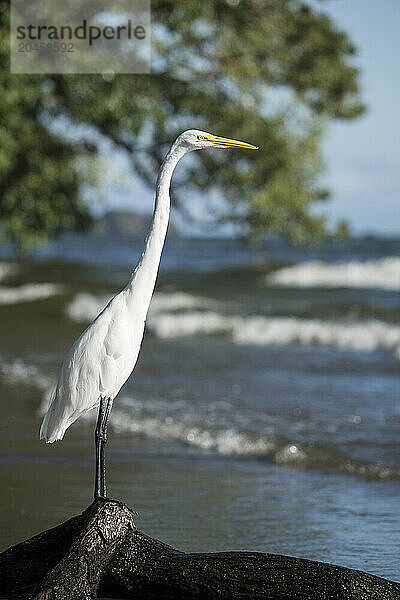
x=103 y=357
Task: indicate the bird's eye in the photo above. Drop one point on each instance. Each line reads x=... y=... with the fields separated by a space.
x=200 y=137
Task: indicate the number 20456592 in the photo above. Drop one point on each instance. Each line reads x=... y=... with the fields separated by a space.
x=39 y=46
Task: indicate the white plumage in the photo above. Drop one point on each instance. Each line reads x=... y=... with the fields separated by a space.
x=101 y=360
x=96 y=366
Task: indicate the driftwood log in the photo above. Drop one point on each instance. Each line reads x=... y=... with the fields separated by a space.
x=101 y=554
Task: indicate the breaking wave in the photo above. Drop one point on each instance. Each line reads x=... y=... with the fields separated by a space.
x=233 y=441
x=167 y=325
x=172 y=316
x=163 y=301
x=85 y=307
x=366 y=336
x=18 y=372
x=172 y=422
x=28 y=292
x=379 y=274
x=168 y=429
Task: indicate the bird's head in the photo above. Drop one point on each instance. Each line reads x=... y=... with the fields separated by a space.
x=194 y=139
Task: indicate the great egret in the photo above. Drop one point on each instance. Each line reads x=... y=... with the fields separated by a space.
x=103 y=357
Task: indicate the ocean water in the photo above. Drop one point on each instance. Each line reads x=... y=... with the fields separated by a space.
x=263 y=413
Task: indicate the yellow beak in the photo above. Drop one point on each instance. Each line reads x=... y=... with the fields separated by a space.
x=221 y=142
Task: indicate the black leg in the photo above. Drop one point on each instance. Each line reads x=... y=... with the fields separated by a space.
x=102 y=471
x=99 y=444
x=108 y=408
x=100 y=441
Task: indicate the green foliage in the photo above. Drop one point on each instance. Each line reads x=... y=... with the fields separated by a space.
x=269 y=72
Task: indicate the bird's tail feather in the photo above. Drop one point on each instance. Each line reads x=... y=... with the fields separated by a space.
x=48 y=430
x=55 y=421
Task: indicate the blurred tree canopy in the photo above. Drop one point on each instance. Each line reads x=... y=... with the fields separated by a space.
x=270 y=72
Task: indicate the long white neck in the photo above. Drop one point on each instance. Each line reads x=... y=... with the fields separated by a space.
x=141 y=285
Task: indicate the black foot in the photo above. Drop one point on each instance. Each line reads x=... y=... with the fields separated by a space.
x=98 y=497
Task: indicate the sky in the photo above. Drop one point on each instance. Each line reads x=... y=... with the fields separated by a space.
x=362 y=157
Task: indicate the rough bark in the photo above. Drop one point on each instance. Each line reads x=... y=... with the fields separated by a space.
x=69 y=560
x=101 y=553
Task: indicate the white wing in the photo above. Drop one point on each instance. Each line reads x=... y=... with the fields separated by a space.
x=97 y=365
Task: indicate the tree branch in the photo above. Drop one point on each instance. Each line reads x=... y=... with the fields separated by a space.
x=100 y=552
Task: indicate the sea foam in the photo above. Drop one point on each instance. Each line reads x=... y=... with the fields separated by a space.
x=19 y=372
x=366 y=336
x=167 y=429
x=133 y=419
x=28 y=292
x=379 y=274
x=85 y=307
